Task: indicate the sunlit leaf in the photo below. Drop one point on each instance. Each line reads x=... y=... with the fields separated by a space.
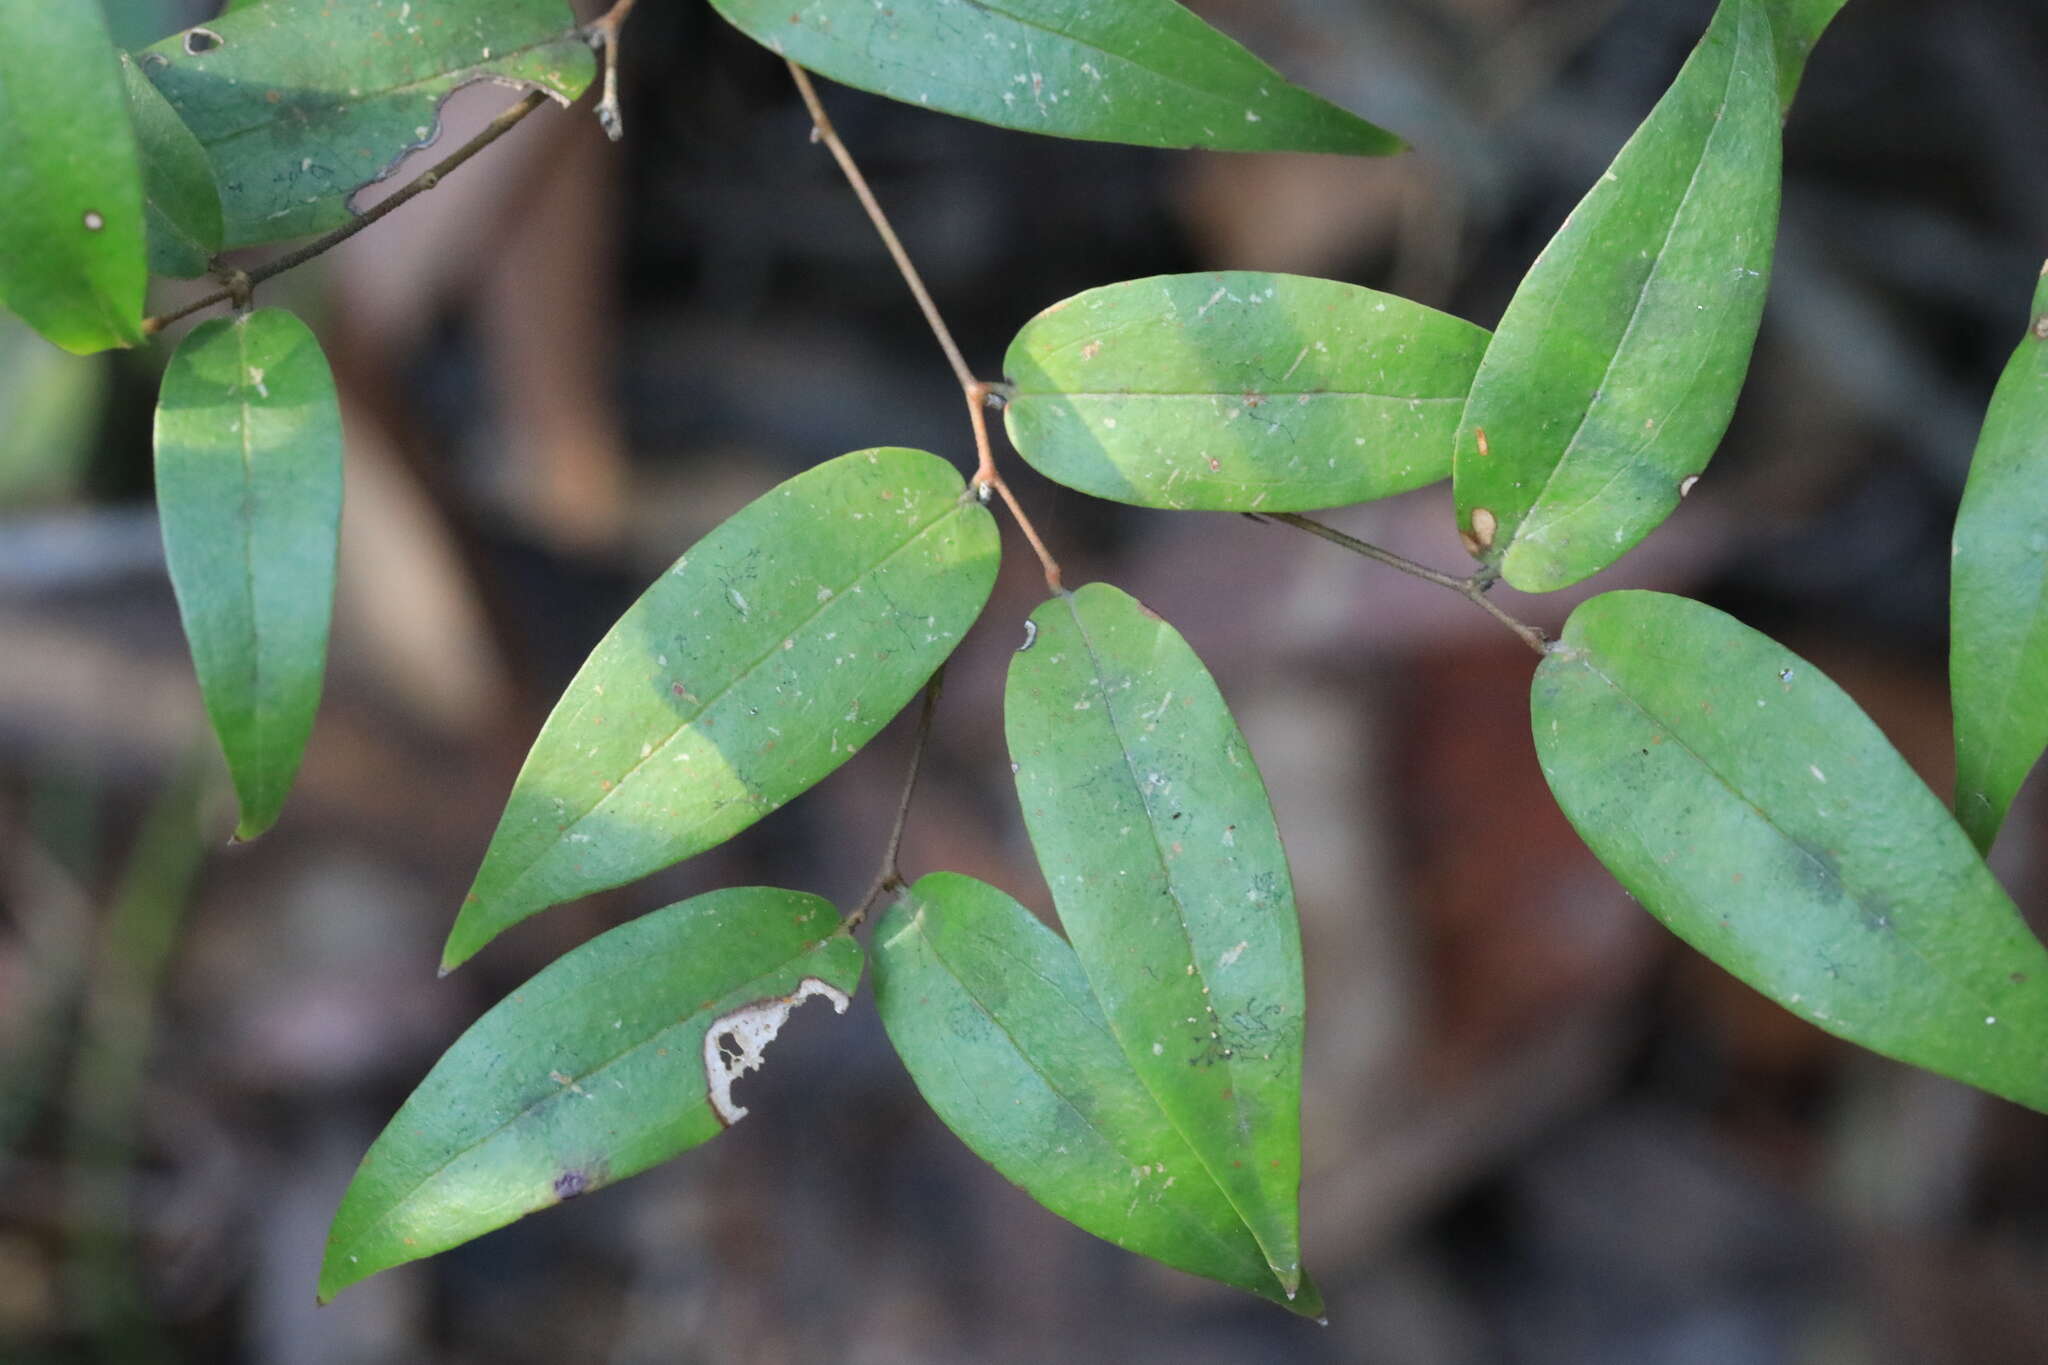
x=71 y=231
x=611 y=1060
x=301 y=103
x=1998 y=644
x=1140 y=71
x=759 y=663
x=180 y=204
x=248 y=486
x=991 y=1013
x=1615 y=369
x=1754 y=809
x=1240 y=392
x=1152 y=827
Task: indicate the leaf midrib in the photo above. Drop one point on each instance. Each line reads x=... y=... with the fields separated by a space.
x=1173 y=890
x=555 y=1096
x=1087 y=1120
x=1642 y=292
x=1728 y=785
x=952 y=507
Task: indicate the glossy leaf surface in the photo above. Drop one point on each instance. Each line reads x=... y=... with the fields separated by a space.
x=616 y=1057
x=1756 y=811
x=71 y=230
x=991 y=1013
x=1615 y=369
x=301 y=103
x=1140 y=71
x=248 y=487
x=1152 y=826
x=1240 y=392
x=180 y=204
x=759 y=663
x=1998 y=639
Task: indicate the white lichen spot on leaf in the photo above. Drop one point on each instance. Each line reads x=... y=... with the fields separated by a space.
x=735 y=1042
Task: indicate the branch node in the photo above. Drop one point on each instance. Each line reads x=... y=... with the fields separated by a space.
x=237 y=285
x=240 y=283
x=602 y=33
x=1472 y=589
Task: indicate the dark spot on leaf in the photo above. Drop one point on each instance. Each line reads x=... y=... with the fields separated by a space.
x=2018 y=978
x=569 y=1184
x=200 y=40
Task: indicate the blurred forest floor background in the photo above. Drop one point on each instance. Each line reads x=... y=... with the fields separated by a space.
x=1537 y=1129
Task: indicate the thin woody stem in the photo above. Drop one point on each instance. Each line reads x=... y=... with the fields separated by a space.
x=603 y=34
x=976 y=391
x=1472 y=589
x=238 y=290
x=890 y=877
x=822 y=125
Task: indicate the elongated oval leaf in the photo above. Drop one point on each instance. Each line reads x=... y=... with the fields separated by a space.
x=763 y=660
x=1756 y=811
x=1140 y=71
x=1998 y=642
x=1152 y=826
x=180 y=203
x=71 y=231
x=1616 y=366
x=611 y=1060
x=301 y=103
x=1240 y=392
x=991 y=1013
x=248 y=487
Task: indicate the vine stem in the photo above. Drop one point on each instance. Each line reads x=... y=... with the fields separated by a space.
x=602 y=33
x=977 y=392
x=890 y=877
x=1473 y=589
x=241 y=282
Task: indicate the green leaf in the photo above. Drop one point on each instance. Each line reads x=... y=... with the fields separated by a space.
x=71 y=231
x=1240 y=392
x=1153 y=829
x=1756 y=811
x=1140 y=71
x=1796 y=25
x=1998 y=645
x=763 y=660
x=248 y=486
x=180 y=203
x=613 y=1059
x=991 y=1013
x=1615 y=369
x=301 y=103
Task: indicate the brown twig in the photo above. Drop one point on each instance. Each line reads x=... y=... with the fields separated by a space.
x=602 y=33
x=1472 y=589
x=823 y=131
x=238 y=290
x=976 y=391
x=890 y=878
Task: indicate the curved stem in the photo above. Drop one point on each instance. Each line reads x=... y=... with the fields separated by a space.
x=603 y=34
x=890 y=877
x=1472 y=589
x=237 y=292
x=823 y=131
x=978 y=392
